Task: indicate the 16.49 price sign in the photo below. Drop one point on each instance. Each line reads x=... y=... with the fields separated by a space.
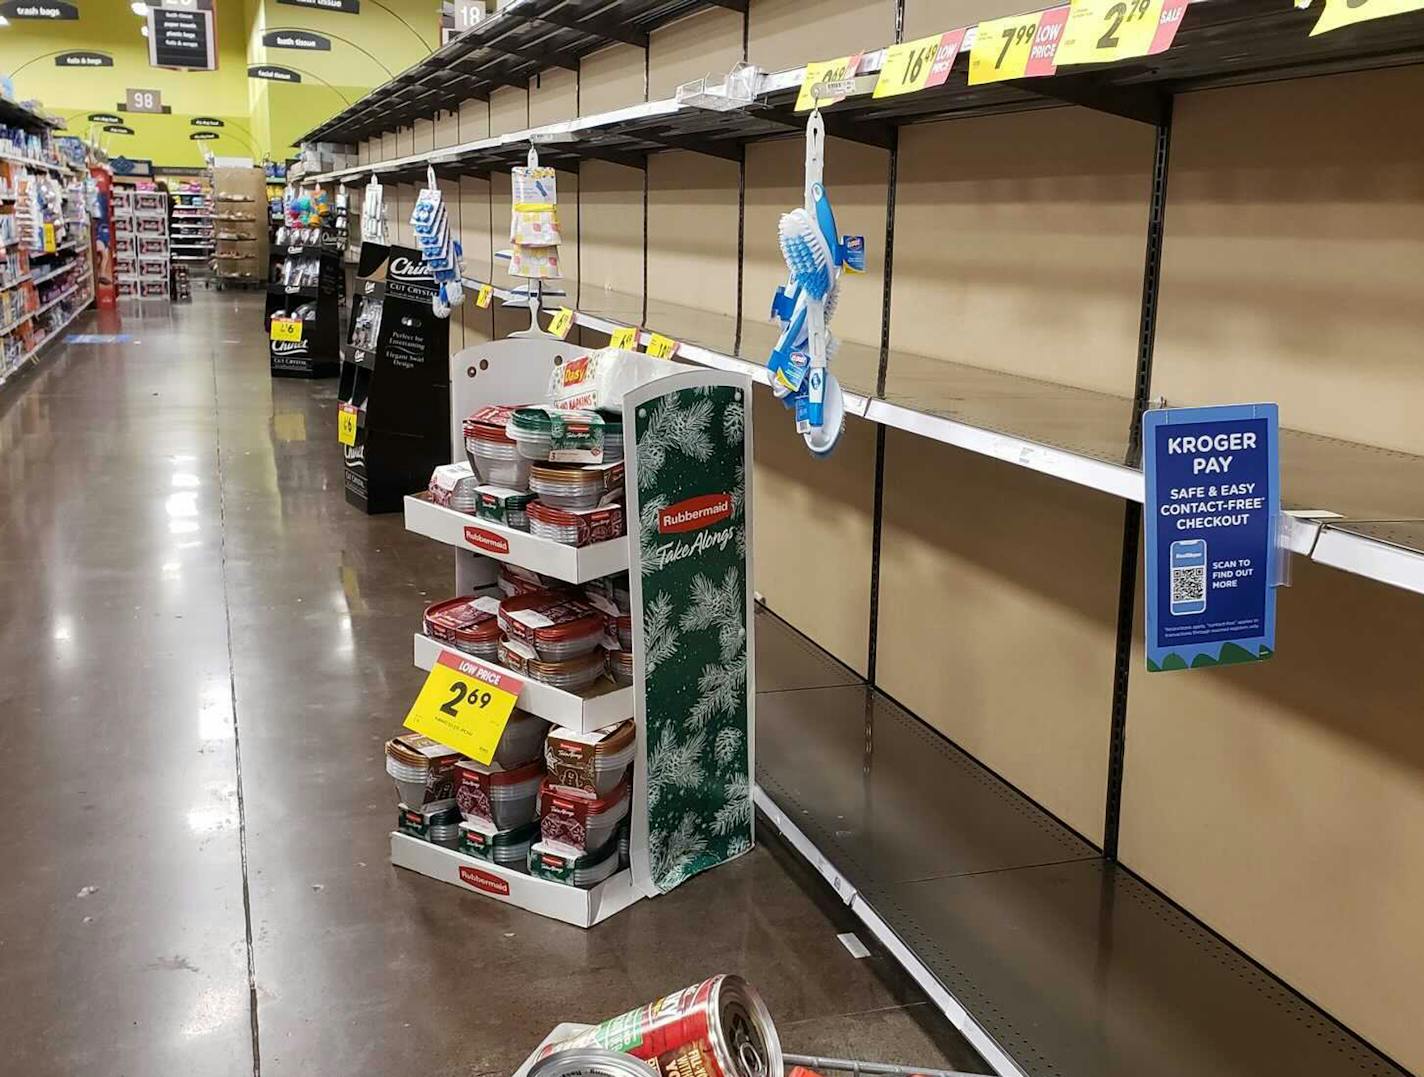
x=465 y=704
x=1209 y=520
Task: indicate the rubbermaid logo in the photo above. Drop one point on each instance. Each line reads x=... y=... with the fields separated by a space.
x=483 y=880
x=486 y=540
x=695 y=513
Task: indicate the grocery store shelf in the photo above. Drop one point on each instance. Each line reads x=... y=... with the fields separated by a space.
x=29 y=315
x=12 y=112
x=40 y=346
x=1051 y=960
x=576 y=564
x=608 y=706
x=582 y=908
x=508 y=48
x=16 y=282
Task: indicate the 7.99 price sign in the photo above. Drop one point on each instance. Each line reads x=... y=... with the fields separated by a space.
x=465 y=704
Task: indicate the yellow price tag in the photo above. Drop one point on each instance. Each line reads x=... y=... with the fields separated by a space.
x=288 y=329
x=465 y=704
x=843 y=67
x=917 y=65
x=561 y=322
x=1022 y=46
x=346 y=415
x=1103 y=31
x=50 y=244
x=1340 y=13
x=483 y=296
x=661 y=347
x=625 y=337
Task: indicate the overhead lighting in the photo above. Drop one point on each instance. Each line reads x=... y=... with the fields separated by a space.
x=143 y=30
x=139 y=8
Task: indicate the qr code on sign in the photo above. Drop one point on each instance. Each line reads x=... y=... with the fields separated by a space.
x=1189 y=584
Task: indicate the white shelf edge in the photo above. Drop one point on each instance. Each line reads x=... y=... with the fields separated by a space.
x=544 y=700
x=953 y=1010
x=571 y=904
x=33 y=352
x=574 y=564
x=1371 y=558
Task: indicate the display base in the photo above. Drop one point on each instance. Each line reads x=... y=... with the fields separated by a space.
x=582 y=908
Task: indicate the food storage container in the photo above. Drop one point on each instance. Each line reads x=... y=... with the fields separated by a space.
x=522 y=740
x=578 y=822
x=572 y=674
x=509 y=848
x=503 y=505
x=555 y=623
x=610 y=594
x=567 y=486
x=589 y=764
x=575 y=527
x=554 y=434
x=436 y=820
x=514 y=580
x=612 y=435
x=469 y=624
x=492 y=452
x=560 y=865
x=506 y=798
x=454 y=486
x=620 y=666
x=620 y=630
x=423 y=769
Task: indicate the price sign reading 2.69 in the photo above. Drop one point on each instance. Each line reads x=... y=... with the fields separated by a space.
x=465 y=704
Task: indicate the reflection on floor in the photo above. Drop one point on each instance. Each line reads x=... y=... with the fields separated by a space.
x=1072 y=966
x=182 y=586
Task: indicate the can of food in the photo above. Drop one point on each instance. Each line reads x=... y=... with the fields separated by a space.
x=718 y=1028
x=591 y=1062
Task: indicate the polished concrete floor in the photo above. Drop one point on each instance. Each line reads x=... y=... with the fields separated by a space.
x=202 y=651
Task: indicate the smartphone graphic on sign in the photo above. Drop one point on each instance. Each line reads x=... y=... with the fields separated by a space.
x=1187 y=559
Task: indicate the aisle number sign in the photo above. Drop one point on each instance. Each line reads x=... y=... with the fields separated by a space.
x=912 y=66
x=1210 y=520
x=1021 y=46
x=1104 y=31
x=465 y=704
x=1340 y=13
x=483 y=296
x=561 y=322
x=837 y=70
x=346 y=416
x=661 y=347
x=287 y=329
x=625 y=337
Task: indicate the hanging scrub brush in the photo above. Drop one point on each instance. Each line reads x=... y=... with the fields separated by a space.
x=441 y=253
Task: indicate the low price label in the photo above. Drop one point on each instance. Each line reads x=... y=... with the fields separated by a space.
x=1022 y=46
x=346 y=424
x=465 y=704
x=837 y=70
x=661 y=347
x=561 y=322
x=50 y=245
x=625 y=338
x=288 y=329
x=917 y=65
x=1340 y=13
x=483 y=296
x=1103 y=31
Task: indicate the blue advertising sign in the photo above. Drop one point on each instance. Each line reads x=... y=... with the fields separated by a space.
x=1213 y=499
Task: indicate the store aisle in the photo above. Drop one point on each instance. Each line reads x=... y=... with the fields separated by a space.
x=203 y=652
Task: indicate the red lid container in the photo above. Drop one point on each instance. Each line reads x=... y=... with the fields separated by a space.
x=488 y=423
x=467 y=622
x=575 y=527
x=556 y=624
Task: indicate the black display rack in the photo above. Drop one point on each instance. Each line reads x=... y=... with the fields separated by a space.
x=318 y=353
x=395 y=373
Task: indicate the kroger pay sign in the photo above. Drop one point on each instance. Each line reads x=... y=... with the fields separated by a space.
x=1213 y=500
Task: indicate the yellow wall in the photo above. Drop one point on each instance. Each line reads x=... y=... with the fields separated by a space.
x=261 y=118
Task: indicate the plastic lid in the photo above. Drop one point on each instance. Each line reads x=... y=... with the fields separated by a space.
x=498 y=777
x=565 y=476
x=615 y=801
x=563 y=668
x=462 y=619
x=548 y=616
x=610 y=740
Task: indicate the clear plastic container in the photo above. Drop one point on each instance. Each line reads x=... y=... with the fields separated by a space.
x=462 y=623
x=503 y=505
x=514 y=580
x=498 y=462
x=589 y=764
x=555 y=623
x=423 y=769
x=620 y=667
x=579 y=823
x=567 y=486
x=509 y=848
x=584 y=870
x=522 y=741
x=543 y=433
x=575 y=527
x=506 y=798
x=575 y=675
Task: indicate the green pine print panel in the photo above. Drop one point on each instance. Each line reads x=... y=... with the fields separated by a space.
x=693 y=545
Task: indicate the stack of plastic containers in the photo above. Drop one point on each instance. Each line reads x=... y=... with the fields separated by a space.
x=467 y=624
x=583 y=804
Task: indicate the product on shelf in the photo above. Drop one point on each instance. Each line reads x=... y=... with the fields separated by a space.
x=468 y=624
x=572 y=674
x=501 y=505
x=576 y=527
x=437 y=822
x=557 y=625
x=508 y=848
x=504 y=798
x=579 y=822
x=558 y=435
x=423 y=769
x=456 y=486
x=620 y=667
x=552 y=861
x=534 y=222
x=570 y=486
x=431 y=224
x=589 y=764
x=492 y=451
